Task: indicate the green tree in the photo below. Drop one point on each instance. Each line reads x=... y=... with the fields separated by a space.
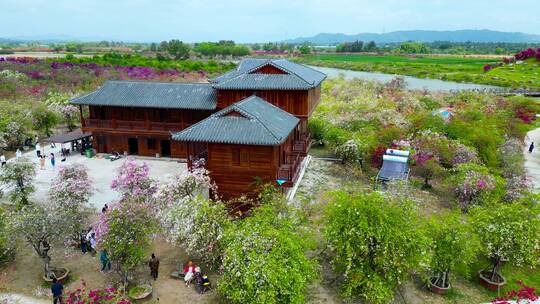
x=19 y=176
x=305 y=48
x=264 y=260
x=371 y=46
x=6 y=240
x=375 y=241
x=125 y=231
x=178 y=49
x=508 y=232
x=454 y=247
x=44 y=120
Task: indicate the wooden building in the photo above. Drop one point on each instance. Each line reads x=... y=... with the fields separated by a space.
x=248 y=123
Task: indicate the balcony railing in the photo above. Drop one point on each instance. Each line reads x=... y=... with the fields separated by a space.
x=289 y=170
x=301 y=146
x=133 y=125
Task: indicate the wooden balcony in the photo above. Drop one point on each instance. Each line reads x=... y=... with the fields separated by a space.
x=301 y=146
x=127 y=125
x=289 y=170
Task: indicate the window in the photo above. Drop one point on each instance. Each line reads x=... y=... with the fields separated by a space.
x=151 y=143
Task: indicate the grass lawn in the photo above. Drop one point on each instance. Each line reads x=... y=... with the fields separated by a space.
x=458 y=69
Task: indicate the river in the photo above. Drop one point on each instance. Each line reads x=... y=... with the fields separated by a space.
x=412 y=83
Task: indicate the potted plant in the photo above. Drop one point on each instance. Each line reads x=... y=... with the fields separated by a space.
x=454 y=247
x=140 y=291
x=508 y=233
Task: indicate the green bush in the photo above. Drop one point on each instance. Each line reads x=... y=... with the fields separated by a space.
x=508 y=232
x=6 y=240
x=375 y=241
x=264 y=260
x=454 y=247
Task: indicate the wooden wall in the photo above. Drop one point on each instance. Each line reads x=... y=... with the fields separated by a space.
x=294 y=102
x=268 y=69
x=235 y=168
x=183 y=117
x=107 y=143
x=299 y=103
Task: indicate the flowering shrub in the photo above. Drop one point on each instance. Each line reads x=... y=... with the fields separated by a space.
x=101 y=296
x=454 y=247
x=350 y=152
x=19 y=175
x=70 y=191
x=41 y=226
x=526 y=54
x=125 y=231
x=198 y=225
x=508 y=232
x=6 y=240
x=374 y=241
x=133 y=180
x=524 y=295
x=463 y=155
x=187 y=184
x=264 y=260
x=472 y=183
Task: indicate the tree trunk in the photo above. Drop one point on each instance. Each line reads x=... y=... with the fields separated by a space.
x=495 y=270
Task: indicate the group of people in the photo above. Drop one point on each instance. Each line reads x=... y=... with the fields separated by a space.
x=88 y=241
x=3 y=159
x=193 y=273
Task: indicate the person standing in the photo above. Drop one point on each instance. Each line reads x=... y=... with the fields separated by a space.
x=531 y=147
x=38 y=150
x=53 y=160
x=105 y=262
x=42 y=162
x=154 y=266
x=3 y=160
x=18 y=153
x=57 y=289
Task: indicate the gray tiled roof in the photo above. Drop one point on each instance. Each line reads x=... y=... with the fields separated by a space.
x=297 y=77
x=170 y=95
x=255 y=122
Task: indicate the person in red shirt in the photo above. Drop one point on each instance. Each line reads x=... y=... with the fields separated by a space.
x=189 y=272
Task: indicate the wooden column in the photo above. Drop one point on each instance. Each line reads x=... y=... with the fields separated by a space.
x=83 y=123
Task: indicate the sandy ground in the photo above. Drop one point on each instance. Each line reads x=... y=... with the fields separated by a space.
x=101 y=171
x=532 y=160
x=27 y=285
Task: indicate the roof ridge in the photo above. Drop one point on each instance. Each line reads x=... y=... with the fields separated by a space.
x=303 y=65
x=255 y=97
x=295 y=74
x=157 y=82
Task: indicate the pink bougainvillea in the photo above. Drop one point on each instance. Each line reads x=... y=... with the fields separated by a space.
x=103 y=296
x=133 y=179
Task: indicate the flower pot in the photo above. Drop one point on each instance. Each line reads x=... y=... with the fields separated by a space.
x=436 y=289
x=485 y=280
x=140 y=292
x=60 y=273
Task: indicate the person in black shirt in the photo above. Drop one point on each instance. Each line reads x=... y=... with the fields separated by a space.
x=57 y=289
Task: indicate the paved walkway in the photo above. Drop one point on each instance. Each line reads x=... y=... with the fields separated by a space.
x=101 y=171
x=13 y=298
x=532 y=160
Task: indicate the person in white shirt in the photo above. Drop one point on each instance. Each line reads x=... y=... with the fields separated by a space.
x=18 y=153
x=3 y=160
x=38 y=150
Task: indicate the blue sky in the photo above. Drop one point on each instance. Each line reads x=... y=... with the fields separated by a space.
x=255 y=20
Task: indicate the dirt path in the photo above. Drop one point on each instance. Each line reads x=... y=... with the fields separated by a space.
x=532 y=160
x=20 y=281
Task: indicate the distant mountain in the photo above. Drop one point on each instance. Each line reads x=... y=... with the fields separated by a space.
x=421 y=36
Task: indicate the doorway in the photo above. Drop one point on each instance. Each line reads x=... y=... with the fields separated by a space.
x=166 y=148
x=133 y=146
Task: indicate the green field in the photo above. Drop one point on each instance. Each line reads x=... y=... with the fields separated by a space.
x=458 y=69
